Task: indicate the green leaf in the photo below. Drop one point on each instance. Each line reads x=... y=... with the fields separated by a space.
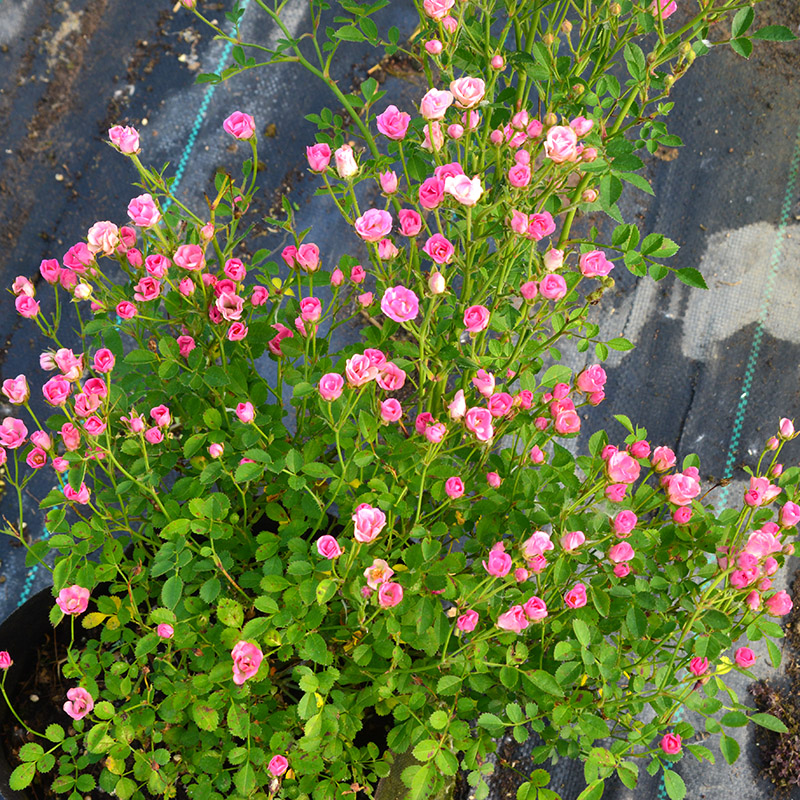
x=639 y=181
x=769 y=722
x=205 y=717
x=426 y=749
x=239 y=721
x=691 y=277
x=314 y=647
x=31 y=751
x=582 y=632
x=774 y=653
x=636 y=622
x=447 y=762
x=172 y=591
x=716 y=620
x=349 y=33
x=620 y=343
x=448 y=684
x=140 y=357
x=634 y=58
x=439 y=719
x=212 y=419
x=492 y=723
x=742 y=47
x=245 y=780
x=651 y=243
x=742 y=21
x=22 y=776
x=734 y=719
x=63 y=783
x=625 y=422
x=729 y=748
x=325 y=590
x=673 y=783
x=774 y=33
x=594 y=791
x=54 y=733
x=193 y=444
x=546 y=682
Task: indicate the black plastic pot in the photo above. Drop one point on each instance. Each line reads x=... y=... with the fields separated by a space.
x=21 y=634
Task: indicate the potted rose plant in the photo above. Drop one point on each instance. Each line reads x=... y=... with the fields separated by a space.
x=409 y=537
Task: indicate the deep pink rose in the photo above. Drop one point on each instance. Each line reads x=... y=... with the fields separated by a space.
x=73 y=599
x=278 y=765
x=400 y=304
x=79 y=703
x=240 y=125
x=393 y=123
x=576 y=596
x=467 y=621
x=671 y=744
x=389 y=594
x=247 y=659
x=476 y=319
x=745 y=657
x=328 y=547
x=622 y=468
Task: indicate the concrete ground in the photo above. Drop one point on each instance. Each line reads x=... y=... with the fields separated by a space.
x=712 y=371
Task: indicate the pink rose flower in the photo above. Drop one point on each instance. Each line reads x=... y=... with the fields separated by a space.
x=779 y=604
x=519 y=176
x=13 y=432
x=666 y=7
x=622 y=468
x=369 y=522
x=467 y=92
x=50 y=270
x=391 y=378
x=789 y=515
x=513 y=620
x=26 y=306
x=484 y=382
x=240 y=125
x=561 y=144
x=454 y=487
x=190 y=257
x=553 y=259
x=165 y=631
x=499 y=563
x=479 y=423
x=572 y=540
x=500 y=404
x=535 y=609
x=671 y=744
x=5 y=659
x=410 y=222
x=73 y=600
x=143 y=211
x=476 y=319
x=328 y=547
x=540 y=225
x=125 y=139
x=458 y=406
x=346 y=165
x=393 y=123
x=536 y=545
x=467 y=621
x=431 y=193
x=389 y=594
x=698 y=666
x=464 y=190
x=103 y=237
x=594 y=264
x=247 y=659
x=379 y=572
x=79 y=703
x=391 y=410
x=245 y=412
x=319 y=157
x=439 y=249
x=744 y=658
x=278 y=765
x=553 y=286
x=681 y=488
x=400 y=304
x=435 y=103
x=493 y=479
x=576 y=596
x=388 y=181
x=16 y=390
x=374 y=225
x=663 y=459
x=624 y=523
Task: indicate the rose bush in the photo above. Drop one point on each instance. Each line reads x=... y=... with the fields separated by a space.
x=264 y=575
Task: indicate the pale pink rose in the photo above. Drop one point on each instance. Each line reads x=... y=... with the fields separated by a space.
x=576 y=596
x=467 y=621
x=439 y=249
x=278 y=765
x=535 y=609
x=369 y=522
x=553 y=286
x=615 y=493
x=387 y=250
x=572 y=540
x=391 y=378
x=400 y=304
x=622 y=468
x=388 y=181
x=125 y=138
x=666 y=7
x=567 y=421
x=247 y=658
x=681 y=488
x=561 y=144
x=454 y=487
x=143 y=211
x=374 y=225
x=458 y=406
x=391 y=410
x=79 y=703
x=484 y=382
x=581 y=125
x=762 y=492
x=346 y=165
x=16 y=390
x=307 y=257
x=761 y=544
x=73 y=599
x=42 y=440
x=519 y=176
x=274 y=344
x=467 y=92
x=479 y=423
x=389 y=594
x=433 y=47
x=455 y=131
x=393 y=123
x=22 y=285
x=5 y=659
x=190 y=257
x=513 y=620
x=476 y=319
x=155 y=436
x=359 y=370
x=379 y=572
x=71 y=437
x=12 y=433
x=553 y=259
x=451 y=170
x=518 y=222
x=536 y=455
x=240 y=125
x=26 y=306
x=328 y=547
x=433 y=129
x=435 y=103
x=789 y=515
x=540 y=225
x=529 y=290
x=786 y=429
x=779 y=604
x=76 y=259
x=103 y=236
x=376 y=357
x=594 y=264
x=330 y=386
x=436 y=283
x=624 y=523
x=410 y=222
x=259 y=295
x=536 y=545
x=620 y=552
x=437 y=9
x=671 y=744
x=663 y=459
x=744 y=658
x=499 y=563
x=463 y=189
x=319 y=157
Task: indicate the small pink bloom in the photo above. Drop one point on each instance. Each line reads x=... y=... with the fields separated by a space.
x=540 y=225
x=682 y=515
x=535 y=609
x=410 y=222
x=513 y=620
x=274 y=344
x=553 y=286
x=391 y=410
x=5 y=659
x=73 y=600
x=240 y=125
x=622 y=468
x=561 y=144
x=497 y=62
x=519 y=176
x=330 y=386
x=500 y=404
x=400 y=304
x=126 y=310
x=666 y=7
x=388 y=181
x=467 y=621
x=190 y=257
x=479 y=423
x=594 y=264
x=393 y=123
x=346 y=166
x=499 y=563
x=622 y=570
x=567 y=421
x=165 y=631
x=457 y=407
x=143 y=211
x=16 y=390
x=374 y=225
x=216 y=450
x=464 y=190
x=103 y=361
x=247 y=658
x=50 y=270
x=26 y=306
x=484 y=382
x=553 y=260
x=536 y=455
x=79 y=703
x=369 y=522
x=576 y=597
x=572 y=541
x=698 y=666
x=454 y=487
x=536 y=545
x=126 y=139
x=154 y=436
x=436 y=432
x=433 y=47
x=779 y=604
x=476 y=319
x=319 y=157
x=379 y=572
x=681 y=488
x=245 y=412
x=278 y=765
x=615 y=493
x=439 y=249
x=435 y=103
x=12 y=433
x=786 y=429
x=789 y=515
x=389 y=594
x=624 y=523
x=493 y=479
x=185 y=345
x=671 y=744
x=744 y=658
x=431 y=193
x=328 y=547
x=663 y=459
